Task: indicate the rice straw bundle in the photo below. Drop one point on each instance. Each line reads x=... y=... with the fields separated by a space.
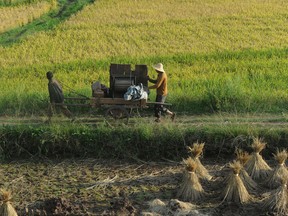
x=190 y=189
x=243 y=157
x=279 y=172
x=256 y=166
x=196 y=152
x=235 y=190
x=277 y=201
x=6 y=208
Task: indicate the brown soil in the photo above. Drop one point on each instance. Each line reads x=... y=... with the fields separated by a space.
x=93 y=187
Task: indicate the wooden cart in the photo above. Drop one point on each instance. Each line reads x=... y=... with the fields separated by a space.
x=112 y=98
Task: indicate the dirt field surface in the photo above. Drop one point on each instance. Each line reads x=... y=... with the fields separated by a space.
x=97 y=187
x=257 y=120
x=93 y=187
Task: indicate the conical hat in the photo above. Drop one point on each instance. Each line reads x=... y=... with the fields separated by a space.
x=159 y=67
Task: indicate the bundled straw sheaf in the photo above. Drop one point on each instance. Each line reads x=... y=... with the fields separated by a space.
x=235 y=190
x=279 y=172
x=196 y=152
x=6 y=206
x=277 y=201
x=256 y=166
x=190 y=190
x=243 y=157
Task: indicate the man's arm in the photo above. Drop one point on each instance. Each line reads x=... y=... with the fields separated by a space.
x=159 y=81
x=151 y=80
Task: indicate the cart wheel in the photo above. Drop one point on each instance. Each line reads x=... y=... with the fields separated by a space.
x=119 y=114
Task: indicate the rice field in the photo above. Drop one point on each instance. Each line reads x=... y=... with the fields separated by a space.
x=222 y=55
x=13 y=17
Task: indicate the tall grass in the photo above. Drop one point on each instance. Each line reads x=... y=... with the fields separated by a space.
x=219 y=55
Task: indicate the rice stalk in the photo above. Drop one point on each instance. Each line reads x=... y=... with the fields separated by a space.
x=276 y=202
x=256 y=166
x=279 y=172
x=243 y=157
x=196 y=152
x=235 y=190
x=190 y=189
x=6 y=208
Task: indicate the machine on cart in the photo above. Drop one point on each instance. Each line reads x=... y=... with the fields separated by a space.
x=112 y=97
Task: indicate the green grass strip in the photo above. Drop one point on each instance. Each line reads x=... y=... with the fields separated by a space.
x=65 y=9
x=142 y=142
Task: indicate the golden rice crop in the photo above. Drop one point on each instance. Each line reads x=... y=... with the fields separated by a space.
x=144 y=31
x=12 y=17
x=131 y=28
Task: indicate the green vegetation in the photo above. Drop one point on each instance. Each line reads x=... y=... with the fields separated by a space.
x=37 y=21
x=18 y=2
x=139 y=142
x=220 y=56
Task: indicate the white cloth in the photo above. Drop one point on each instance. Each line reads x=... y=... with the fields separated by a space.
x=136 y=93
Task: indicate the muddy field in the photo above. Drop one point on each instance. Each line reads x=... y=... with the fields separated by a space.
x=93 y=187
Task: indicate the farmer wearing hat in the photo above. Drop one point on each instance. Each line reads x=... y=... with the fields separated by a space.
x=160 y=84
x=56 y=97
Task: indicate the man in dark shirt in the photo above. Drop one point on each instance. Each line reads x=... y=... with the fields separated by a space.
x=56 y=97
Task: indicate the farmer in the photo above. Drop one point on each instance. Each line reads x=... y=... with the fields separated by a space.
x=160 y=84
x=56 y=97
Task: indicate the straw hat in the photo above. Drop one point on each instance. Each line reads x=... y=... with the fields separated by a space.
x=159 y=67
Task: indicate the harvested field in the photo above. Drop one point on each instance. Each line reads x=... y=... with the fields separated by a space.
x=94 y=187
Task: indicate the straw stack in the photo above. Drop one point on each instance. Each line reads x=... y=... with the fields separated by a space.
x=6 y=208
x=256 y=166
x=196 y=152
x=190 y=189
x=276 y=202
x=243 y=157
x=279 y=172
x=235 y=190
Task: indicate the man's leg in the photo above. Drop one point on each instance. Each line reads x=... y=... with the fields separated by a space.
x=66 y=111
x=51 y=108
x=157 y=108
x=165 y=110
